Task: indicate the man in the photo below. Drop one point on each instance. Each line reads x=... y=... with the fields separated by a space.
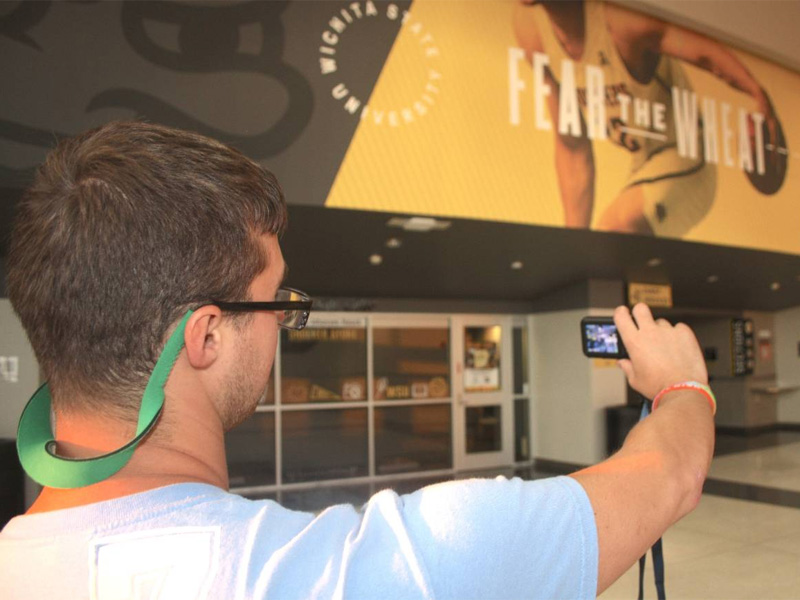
x=640 y=58
x=137 y=241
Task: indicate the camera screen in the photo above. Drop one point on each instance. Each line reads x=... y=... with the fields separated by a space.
x=601 y=339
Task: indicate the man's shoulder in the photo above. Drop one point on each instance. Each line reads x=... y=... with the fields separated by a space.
x=177 y=504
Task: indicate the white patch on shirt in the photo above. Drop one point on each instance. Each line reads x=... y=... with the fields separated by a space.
x=176 y=563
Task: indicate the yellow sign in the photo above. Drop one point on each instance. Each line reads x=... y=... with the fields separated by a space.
x=651 y=294
x=604 y=363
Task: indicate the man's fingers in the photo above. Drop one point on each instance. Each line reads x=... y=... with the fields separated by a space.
x=624 y=322
x=627 y=368
x=642 y=314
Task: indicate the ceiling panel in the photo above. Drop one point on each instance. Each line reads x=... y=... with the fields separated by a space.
x=328 y=251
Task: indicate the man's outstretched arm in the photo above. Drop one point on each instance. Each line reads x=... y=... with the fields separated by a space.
x=657 y=477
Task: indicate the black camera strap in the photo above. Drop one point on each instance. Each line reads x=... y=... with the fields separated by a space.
x=657 y=550
x=658 y=570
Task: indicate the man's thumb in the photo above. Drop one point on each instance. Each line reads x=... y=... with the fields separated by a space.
x=627 y=367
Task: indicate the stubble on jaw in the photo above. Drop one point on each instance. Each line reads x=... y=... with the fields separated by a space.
x=243 y=391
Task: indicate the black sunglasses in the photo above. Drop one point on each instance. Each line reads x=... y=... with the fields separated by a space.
x=292 y=305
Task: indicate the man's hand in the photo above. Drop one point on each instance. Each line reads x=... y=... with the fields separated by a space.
x=660 y=355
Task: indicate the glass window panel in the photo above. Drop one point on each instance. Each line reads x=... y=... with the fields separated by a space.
x=324 y=444
x=323 y=365
x=483 y=429
x=520 y=360
x=482 y=358
x=250 y=449
x=411 y=363
x=413 y=438
x=522 y=438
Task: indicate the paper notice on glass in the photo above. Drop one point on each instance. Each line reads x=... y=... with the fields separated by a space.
x=481 y=380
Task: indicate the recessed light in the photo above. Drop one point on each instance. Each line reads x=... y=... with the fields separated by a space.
x=516 y=265
x=393 y=243
x=375 y=259
x=654 y=262
x=712 y=278
x=774 y=286
x=418 y=223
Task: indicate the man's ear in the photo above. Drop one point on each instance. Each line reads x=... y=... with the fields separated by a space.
x=202 y=337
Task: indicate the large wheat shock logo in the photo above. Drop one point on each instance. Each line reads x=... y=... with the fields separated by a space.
x=345 y=46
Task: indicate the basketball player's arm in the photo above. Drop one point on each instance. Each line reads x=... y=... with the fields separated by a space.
x=715 y=58
x=574 y=158
x=657 y=477
x=642 y=33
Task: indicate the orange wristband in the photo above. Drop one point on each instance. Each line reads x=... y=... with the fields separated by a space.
x=688 y=385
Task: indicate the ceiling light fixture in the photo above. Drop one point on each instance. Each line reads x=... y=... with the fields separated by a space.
x=375 y=259
x=393 y=243
x=418 y=223
x=516 y=265
x=654 y=262
x=774 y=286
x=712 y=278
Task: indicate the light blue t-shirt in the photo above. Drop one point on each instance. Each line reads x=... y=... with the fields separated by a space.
x=482 y=539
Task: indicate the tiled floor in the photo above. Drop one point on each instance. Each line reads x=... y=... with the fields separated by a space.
x=732 y=548
x=776 y=467
x=742 y=542
x=726 y=549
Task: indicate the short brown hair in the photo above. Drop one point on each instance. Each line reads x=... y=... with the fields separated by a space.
x=124 y=228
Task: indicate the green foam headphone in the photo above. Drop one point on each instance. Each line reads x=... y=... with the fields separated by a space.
x=36 y=443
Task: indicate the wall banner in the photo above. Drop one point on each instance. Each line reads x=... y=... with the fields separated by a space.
x=563 y=114
x=580 y=114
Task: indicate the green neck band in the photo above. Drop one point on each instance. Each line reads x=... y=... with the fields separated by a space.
x=36 y=443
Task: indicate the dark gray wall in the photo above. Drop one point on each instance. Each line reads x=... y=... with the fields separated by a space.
x=246 y=73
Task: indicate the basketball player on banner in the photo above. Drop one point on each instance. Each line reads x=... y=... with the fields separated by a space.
x=639 y=60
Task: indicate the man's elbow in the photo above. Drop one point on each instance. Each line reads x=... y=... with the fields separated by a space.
x=688 y=474
x=692 y=490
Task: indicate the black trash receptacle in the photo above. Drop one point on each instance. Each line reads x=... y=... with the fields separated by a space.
x=619 y=422
x=12 y=482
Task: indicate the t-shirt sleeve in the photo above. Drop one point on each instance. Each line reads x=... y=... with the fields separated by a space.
x=487 y=539
x=504 y=538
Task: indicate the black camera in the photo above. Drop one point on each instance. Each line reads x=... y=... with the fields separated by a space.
x=600 y=338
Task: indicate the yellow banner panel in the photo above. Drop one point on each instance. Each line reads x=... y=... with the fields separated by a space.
x=542 y=114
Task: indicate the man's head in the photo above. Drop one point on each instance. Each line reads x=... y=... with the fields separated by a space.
x=125 y=228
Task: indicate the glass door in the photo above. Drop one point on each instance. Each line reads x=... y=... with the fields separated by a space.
x=483 y=392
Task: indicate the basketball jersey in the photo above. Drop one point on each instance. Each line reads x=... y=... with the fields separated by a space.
x=600 y=51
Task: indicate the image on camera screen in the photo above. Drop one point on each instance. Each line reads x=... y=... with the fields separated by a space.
x=602 y=339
